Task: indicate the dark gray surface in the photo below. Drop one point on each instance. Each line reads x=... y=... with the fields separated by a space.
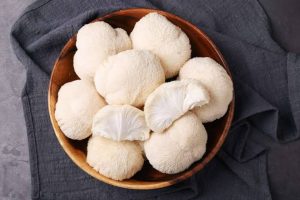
x=14 y=167
x=285 y=20
x=284 y=159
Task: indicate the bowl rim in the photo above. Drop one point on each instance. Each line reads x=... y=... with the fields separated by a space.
x=151 y=184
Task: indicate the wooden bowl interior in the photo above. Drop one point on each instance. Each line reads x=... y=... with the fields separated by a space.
x=147 y=178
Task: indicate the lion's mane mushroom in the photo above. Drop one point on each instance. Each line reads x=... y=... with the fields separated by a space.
x=120 y=122
x=116 y=160
x=156 y=33
x=95 y=43
x=75 y=109
x=217 y=82
x=179 y=146
x=171 y=100
x=129 y=77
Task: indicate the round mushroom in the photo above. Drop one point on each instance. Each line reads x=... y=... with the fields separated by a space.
x=171 y=100
x=101 y=34
x=75 y=109
x=129 y=77
x=178 y=147
x=156 y=33
x=217 y=82
x=95 y=42
x=116 y=160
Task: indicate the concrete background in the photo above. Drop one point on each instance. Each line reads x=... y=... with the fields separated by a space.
x=14 y=165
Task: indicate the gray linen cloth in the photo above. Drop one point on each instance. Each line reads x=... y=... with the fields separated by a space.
x=265 y=80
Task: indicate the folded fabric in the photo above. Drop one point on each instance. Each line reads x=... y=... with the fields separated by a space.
x=266 y=89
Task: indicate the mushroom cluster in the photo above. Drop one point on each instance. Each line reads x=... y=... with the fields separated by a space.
x=126 y=108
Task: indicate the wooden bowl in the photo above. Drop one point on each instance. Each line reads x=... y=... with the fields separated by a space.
x=147 y=178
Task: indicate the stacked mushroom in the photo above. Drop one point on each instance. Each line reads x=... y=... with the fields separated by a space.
x=124 y=106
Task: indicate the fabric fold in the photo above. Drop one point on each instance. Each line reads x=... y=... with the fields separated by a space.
x=265 y=73
x=293 y=73
x=240 y=143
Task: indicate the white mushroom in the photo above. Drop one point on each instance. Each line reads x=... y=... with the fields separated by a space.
x=156 y=33
x=116 y=160
x=179 y=146
x=129 y=77
x=101 y=34
x=171 y=100
x=217 y=82
x=76 y=105
x=95 y=42
x=120 y=122
x=86 y=62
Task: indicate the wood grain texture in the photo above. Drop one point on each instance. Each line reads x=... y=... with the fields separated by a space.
x=147 y=178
